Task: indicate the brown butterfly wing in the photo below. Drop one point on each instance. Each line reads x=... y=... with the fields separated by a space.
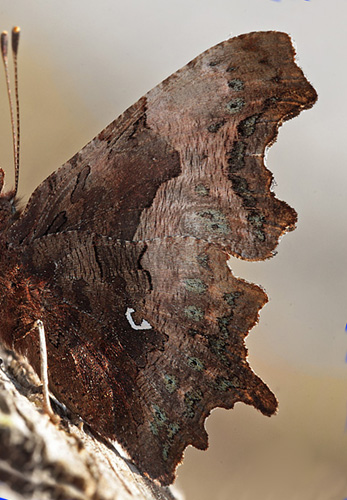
x=188 y=158
x=94 y=354
x=221 y=112
x=151 y=389
x=143 y=217
x=104 y=187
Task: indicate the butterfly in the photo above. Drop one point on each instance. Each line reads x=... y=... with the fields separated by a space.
x=122 y=253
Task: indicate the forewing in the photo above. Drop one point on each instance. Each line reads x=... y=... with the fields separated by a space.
x=188 y=158
x=220 y=112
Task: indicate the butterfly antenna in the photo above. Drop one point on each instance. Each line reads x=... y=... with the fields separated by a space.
x=14 y=125
x=15 y=44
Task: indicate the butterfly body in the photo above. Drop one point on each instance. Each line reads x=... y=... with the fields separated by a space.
x=144 y=218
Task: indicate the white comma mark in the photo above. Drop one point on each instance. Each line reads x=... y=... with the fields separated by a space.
x=144 y=324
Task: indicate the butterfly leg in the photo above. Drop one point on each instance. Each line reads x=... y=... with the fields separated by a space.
x=44 y=373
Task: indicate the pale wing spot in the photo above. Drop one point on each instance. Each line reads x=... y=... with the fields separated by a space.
x=144 y=324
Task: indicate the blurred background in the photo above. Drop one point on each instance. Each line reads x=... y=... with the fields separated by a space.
x=82 y=63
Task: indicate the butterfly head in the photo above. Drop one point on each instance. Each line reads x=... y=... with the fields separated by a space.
x=7 y=204
x=7 y=200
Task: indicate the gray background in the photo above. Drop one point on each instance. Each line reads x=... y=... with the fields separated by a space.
x=82 y=63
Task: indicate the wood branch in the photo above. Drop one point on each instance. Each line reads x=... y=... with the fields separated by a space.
x=41 y=460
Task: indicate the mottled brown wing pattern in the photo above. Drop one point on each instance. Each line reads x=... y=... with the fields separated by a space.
x=157 y=385
x=220 y=112
x=144 y=218
x=188 y=158
x=104 y=187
